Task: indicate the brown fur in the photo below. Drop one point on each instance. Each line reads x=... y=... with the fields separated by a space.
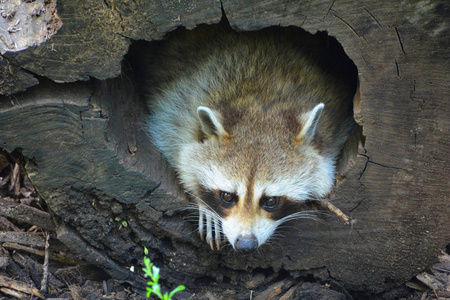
x=258 y=89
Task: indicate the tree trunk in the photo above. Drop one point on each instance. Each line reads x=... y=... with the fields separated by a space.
x=95 y=167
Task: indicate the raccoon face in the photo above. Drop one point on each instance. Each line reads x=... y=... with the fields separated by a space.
x=247 y=185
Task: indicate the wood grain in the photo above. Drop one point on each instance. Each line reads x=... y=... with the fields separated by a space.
x=93 y=164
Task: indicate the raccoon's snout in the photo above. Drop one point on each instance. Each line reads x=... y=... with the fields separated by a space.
x=246 y=244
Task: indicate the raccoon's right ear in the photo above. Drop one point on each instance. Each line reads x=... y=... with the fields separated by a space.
x=211 y=122
x=309 y=122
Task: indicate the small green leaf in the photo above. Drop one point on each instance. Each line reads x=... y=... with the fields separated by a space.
x=176 y=290
x=154 y=287
x=157 y=291
x=147 y=269
x=117 y=219
x=155 y=271
x=149 y=292
x=124 y=224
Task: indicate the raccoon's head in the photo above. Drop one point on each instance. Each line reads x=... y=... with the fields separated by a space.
x=256 y=172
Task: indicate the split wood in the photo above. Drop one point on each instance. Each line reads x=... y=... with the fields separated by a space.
x=27 y=214
x=274 y=290
x=31 y=239
x=15 y=180
x=15 y=285
x=44 y=282
x=7 y=225
x=53 y=256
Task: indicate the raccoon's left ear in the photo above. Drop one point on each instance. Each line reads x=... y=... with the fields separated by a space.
x=309 y=122
x=211 y=122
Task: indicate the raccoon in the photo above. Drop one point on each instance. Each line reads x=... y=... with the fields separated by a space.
x=253 y=124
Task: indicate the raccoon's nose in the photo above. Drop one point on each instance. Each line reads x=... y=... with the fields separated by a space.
x=246 y=244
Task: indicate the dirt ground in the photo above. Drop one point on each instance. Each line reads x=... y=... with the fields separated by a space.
x=30 y=270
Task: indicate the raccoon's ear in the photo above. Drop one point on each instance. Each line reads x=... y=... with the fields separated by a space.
x=210 y=121
x=309 y=121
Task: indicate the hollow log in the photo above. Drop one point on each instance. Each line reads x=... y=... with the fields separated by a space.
x=80 y=127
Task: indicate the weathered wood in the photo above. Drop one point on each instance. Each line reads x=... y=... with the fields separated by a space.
x=14 y=80
x=30 y=239
x=19 y=286
x=96 y=34
x=93 y=164
x=23 y=25
x=27 y=23
x=78 y=246
x=26 y=214
x=5 y=224
x=14 y=293
x=53 y=256
x=274 y=290
x=44 y=282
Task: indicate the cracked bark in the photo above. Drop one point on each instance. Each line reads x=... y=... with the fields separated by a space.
x=94 y=163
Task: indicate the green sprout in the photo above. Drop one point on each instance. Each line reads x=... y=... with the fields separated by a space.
x=154 y=287
x=123 y=223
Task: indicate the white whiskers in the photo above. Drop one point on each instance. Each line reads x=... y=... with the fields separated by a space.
x=208 y=218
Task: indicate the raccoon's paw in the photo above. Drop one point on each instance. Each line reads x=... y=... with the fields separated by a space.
x=213 y=234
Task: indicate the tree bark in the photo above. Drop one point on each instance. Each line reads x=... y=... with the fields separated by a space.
x=95 y=167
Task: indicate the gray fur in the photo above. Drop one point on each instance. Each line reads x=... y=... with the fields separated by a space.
x=239 y=111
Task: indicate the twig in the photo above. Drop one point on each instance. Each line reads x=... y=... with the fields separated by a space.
x=44 y=281
x=19 y=286
x=105 y=288
x=22 y=238
x=336 y=211
x=273 y=291
x=30 y=239
x=290 y=293
x=9 y=225
x=15 y=180
x=431 y=281
x=444 y=257
x=53 y=256
x=13 y=293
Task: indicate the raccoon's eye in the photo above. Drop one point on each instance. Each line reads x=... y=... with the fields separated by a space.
x=228 y=197
x=269 y=203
